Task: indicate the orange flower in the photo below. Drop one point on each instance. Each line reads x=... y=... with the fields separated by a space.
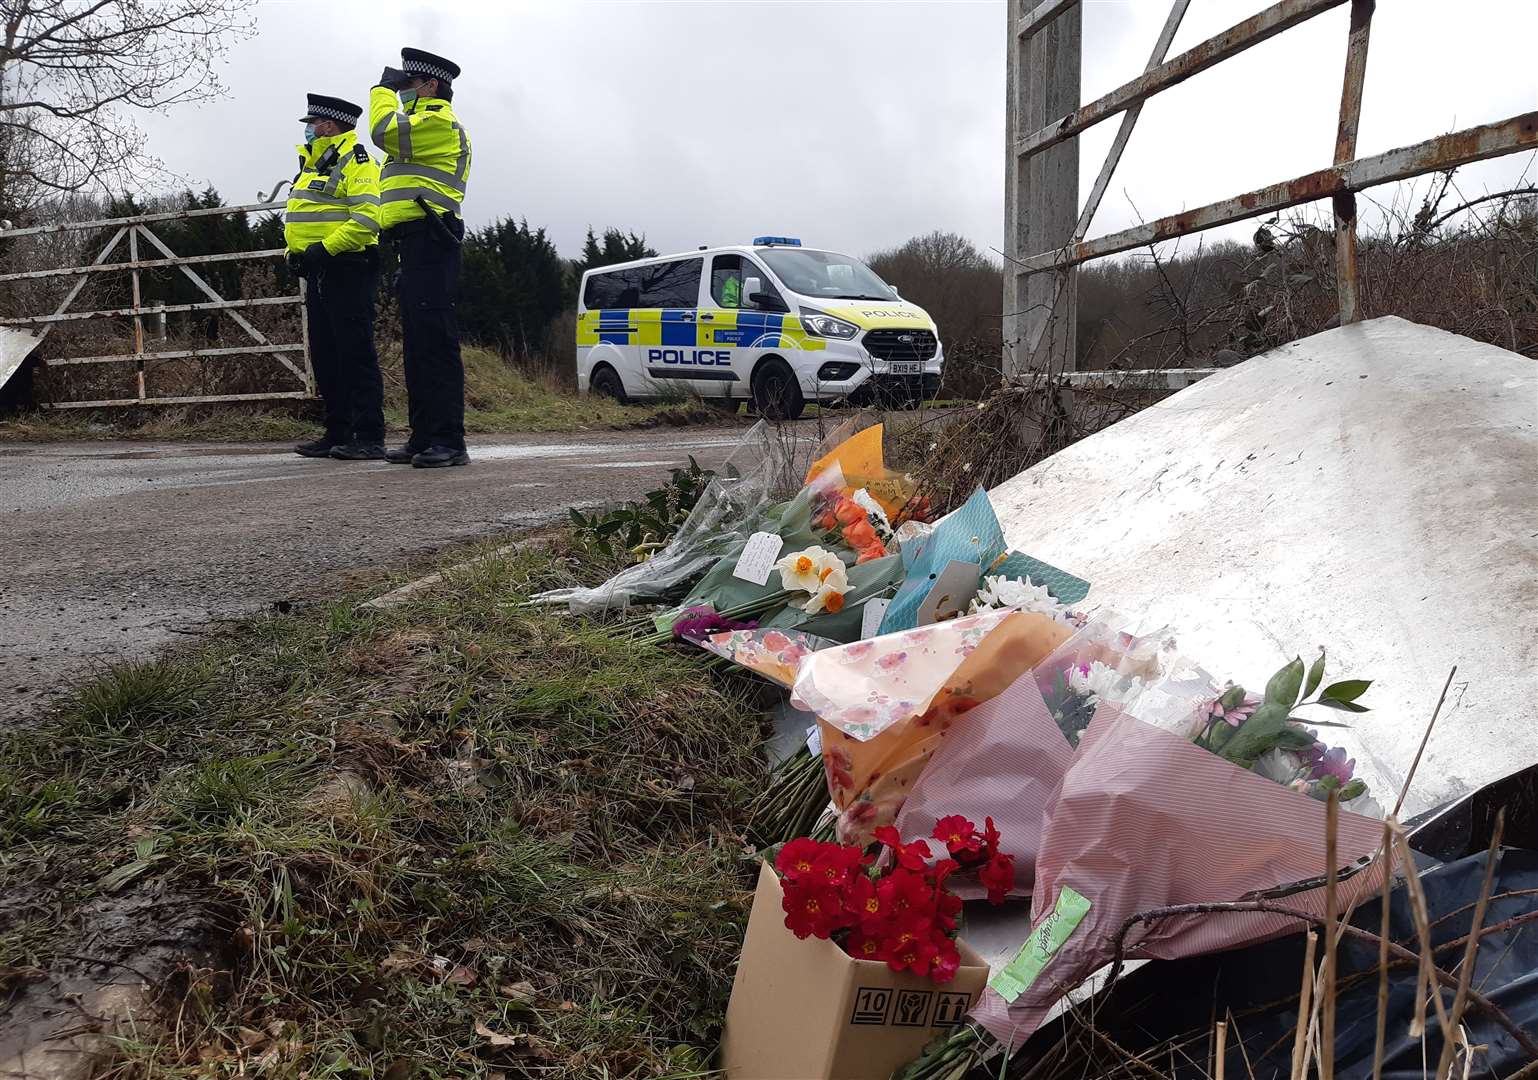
x=866 y=554
x=860 y=534
x=834 y=602
x=848 y=511
x=804 y=565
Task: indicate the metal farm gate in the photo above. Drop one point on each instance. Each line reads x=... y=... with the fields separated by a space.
x=1045 y=228
x=291 y=357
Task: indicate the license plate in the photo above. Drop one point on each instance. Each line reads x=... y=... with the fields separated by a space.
x=912 y=368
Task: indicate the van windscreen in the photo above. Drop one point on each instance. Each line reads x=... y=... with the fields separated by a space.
x=826 y=274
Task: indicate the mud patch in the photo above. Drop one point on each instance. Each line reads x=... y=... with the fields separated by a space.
x=130 y=952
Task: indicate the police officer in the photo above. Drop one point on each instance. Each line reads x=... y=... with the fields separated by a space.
x=411 y=119
x=331 y=227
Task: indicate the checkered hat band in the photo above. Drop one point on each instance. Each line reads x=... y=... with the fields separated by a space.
x=422 y=67
x=334 y=114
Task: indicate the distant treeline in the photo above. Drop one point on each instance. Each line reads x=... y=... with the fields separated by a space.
x=1472 y=273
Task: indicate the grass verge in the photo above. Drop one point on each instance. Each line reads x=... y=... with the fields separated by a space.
x=458 y=838
x=499 y=398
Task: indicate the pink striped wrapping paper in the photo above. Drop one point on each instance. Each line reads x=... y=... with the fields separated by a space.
x=1144 y=819
x=1004 y=759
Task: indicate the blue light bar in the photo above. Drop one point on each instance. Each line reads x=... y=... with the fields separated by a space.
x=776 y=241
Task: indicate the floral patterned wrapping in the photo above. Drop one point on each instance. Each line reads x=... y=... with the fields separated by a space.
x=774 y=654
x=883 y=705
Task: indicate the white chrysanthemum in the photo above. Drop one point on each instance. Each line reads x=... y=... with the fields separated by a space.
x=1022 y=593
x=805 y=571
x=1104 y=683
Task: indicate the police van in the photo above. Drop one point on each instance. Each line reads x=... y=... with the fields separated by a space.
x=772 y=323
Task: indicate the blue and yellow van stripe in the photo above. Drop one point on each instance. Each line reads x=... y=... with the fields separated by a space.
x=683 y=328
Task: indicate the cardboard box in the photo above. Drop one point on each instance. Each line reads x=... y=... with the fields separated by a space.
x=806 y=1010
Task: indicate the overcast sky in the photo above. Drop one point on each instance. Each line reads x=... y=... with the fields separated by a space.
x=854 y=124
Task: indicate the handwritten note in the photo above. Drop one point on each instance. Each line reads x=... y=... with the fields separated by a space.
x=875 y=611
x=758 y=558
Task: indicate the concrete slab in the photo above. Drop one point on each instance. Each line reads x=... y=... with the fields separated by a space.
x=1373 y=489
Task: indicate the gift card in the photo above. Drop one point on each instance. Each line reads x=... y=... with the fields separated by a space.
x=952 y=593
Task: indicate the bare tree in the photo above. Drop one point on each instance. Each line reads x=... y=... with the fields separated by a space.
x=73 y=71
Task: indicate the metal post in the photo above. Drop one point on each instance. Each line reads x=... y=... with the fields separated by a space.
x=1346 y=284
x=133 y=257
x=1041 y=197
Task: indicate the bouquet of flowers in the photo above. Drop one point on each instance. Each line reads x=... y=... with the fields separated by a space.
x=1009 y=755
x=884 y=705
x=972 y=536
x=899 y=910
x=1175 y=771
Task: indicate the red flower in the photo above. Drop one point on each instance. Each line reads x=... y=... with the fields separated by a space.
x=914 y=856
x=864 y=902
x=914 y=955
x=903 y=891
x=834 y=864
x=947 y=909
x=947 y=963
x=866 y=946
x=958 y=834
x=812 y=912
x=798 y=858
x=990 y=838
x=998 y=876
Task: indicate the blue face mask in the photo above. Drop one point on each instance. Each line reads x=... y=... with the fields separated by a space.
x=408 y=96
x=309 y=133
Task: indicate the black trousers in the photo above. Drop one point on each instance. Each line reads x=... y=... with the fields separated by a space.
x=427 y=288
x=340 y=303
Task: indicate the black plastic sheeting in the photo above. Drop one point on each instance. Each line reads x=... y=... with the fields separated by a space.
x=1169 y=1000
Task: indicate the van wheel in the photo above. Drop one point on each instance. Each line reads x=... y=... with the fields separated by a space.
x=776 y=392
x=606 y=383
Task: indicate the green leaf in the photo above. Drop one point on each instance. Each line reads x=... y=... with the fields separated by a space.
x=1343 y=706
x=1315 y=675
x=1283 y=688
x=1259 y=733
x=1294 y=738
x=577 y=519
x=1346 y=690
x=1355 y=789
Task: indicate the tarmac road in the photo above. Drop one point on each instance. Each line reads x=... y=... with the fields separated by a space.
x=111 y=550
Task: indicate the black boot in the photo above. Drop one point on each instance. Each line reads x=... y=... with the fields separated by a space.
x=438 y=457
x=402 y=455
x=318 y=448
x=359 y=451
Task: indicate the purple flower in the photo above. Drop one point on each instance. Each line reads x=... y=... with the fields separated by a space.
x=1331 y=762
x=698 y=623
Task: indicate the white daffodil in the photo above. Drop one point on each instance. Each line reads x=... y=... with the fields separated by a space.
x=829 y=598
x=806 y=570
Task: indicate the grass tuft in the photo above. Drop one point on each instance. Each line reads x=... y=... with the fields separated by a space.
x=409 y=828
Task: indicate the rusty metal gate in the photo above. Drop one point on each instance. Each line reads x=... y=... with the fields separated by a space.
x=1044 y=226
x=292 y=358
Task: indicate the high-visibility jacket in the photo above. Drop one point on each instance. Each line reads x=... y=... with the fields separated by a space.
x=429 y=155
x=335 y=198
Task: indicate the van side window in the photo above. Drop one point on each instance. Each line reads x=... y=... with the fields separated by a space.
x=671 y=284
x=726 y=280
x=616 y=289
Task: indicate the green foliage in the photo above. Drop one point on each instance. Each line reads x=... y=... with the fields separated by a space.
x=646 y=525
x=1272 y=725
x=513 y=285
